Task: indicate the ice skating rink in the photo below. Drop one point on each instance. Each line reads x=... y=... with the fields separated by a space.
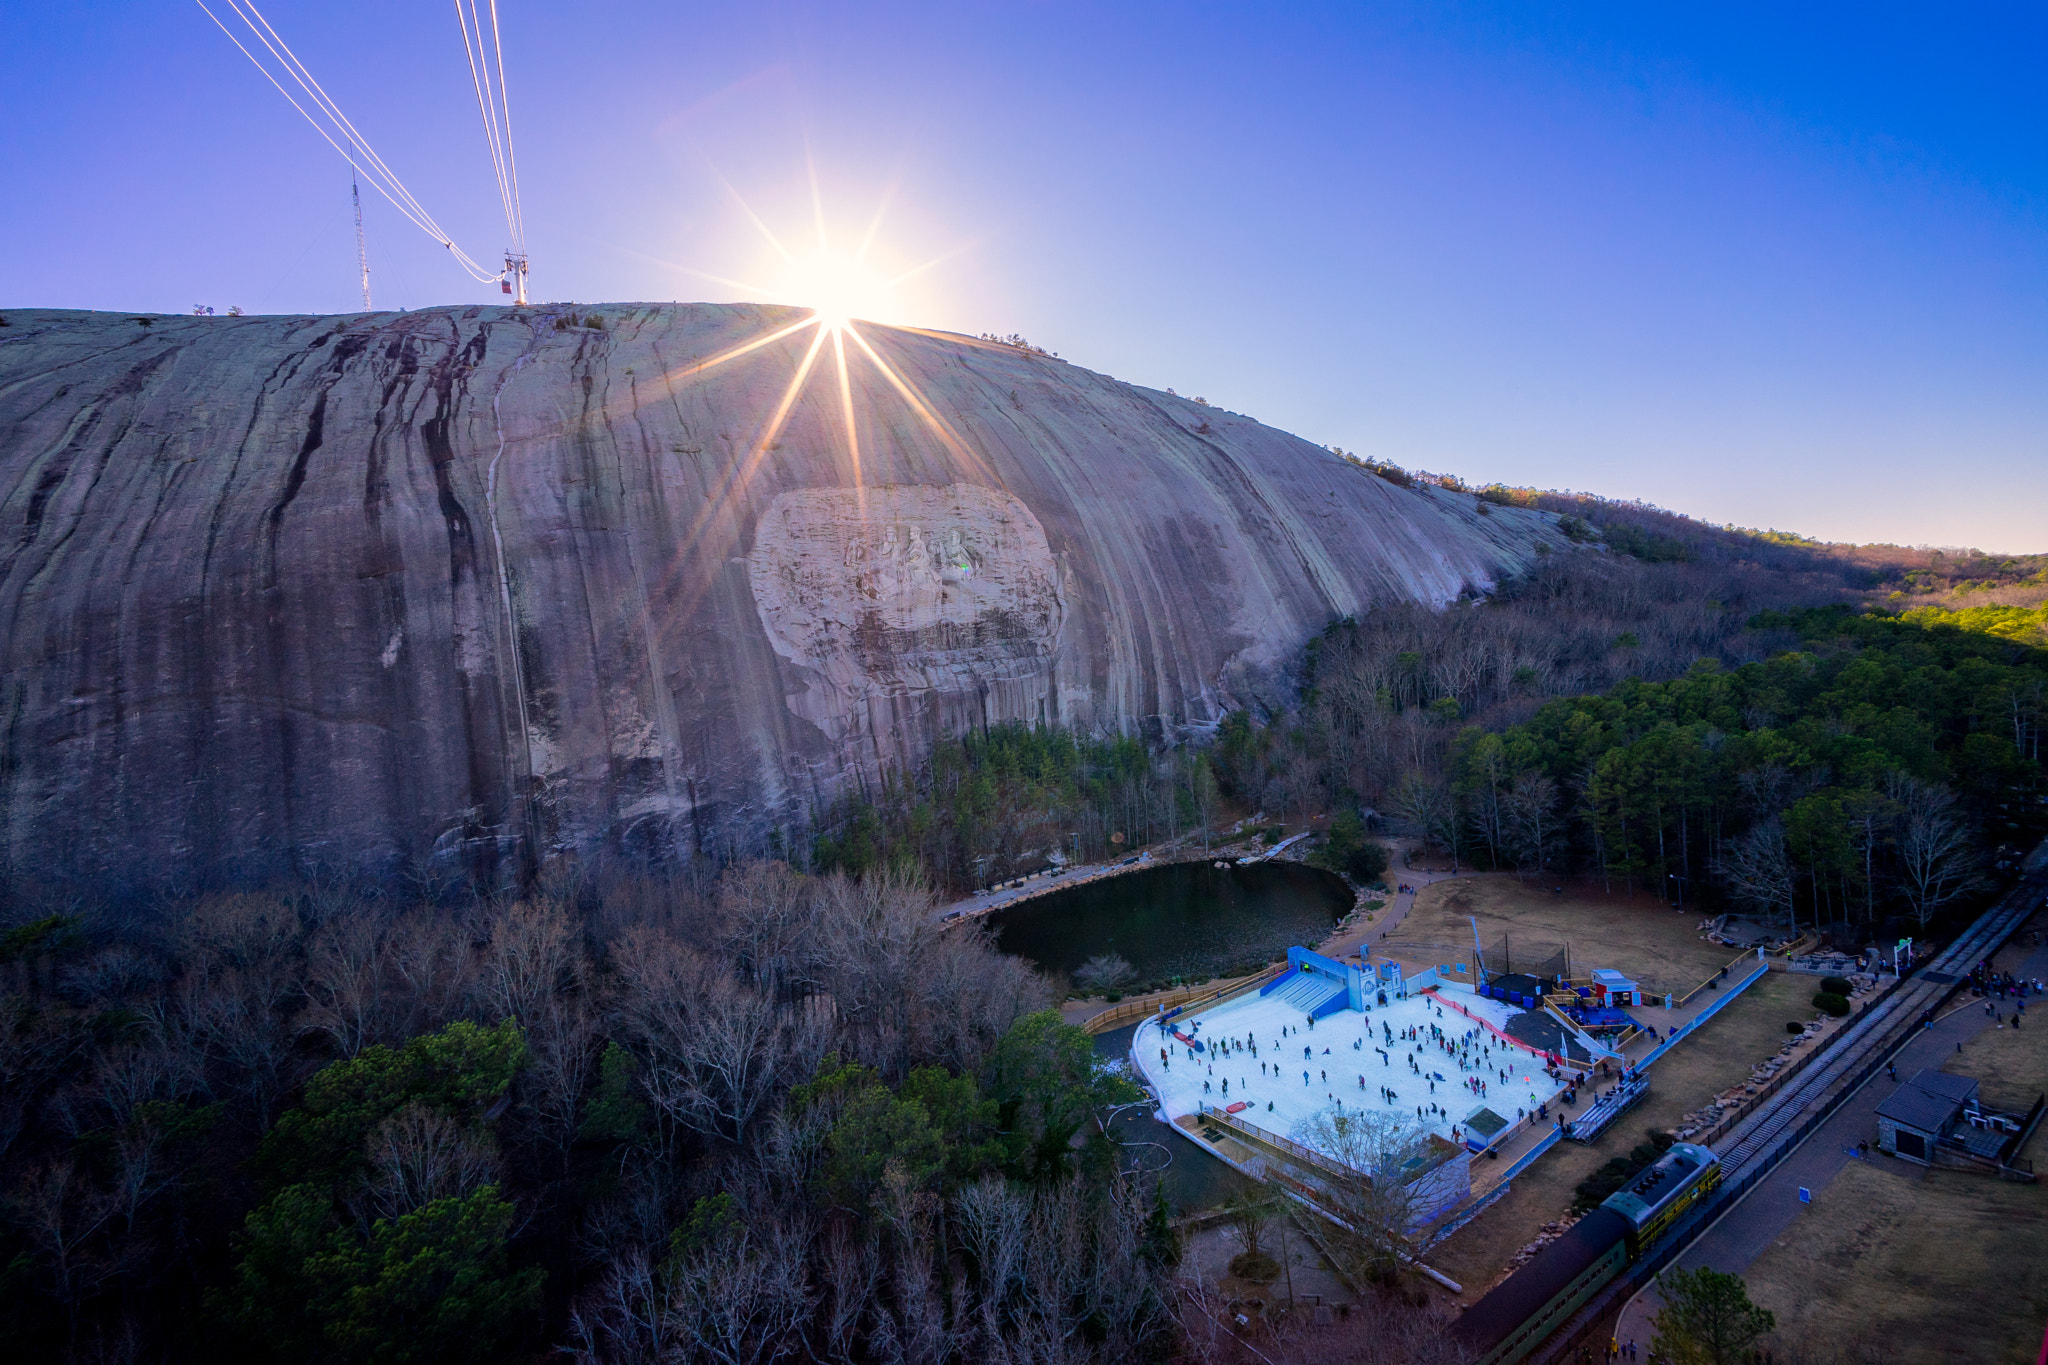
x=1410 y=1056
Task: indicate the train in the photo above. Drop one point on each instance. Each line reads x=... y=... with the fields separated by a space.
x=1521 y=1311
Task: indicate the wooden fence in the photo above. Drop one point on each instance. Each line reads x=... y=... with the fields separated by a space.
x=1184 y=998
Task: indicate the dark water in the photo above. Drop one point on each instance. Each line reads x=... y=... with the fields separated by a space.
x=1190 y=919
x=1192 y=1179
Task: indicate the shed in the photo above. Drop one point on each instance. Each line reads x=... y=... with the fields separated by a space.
x=1481 y=1126
x=1613 y=987
x=1921 y=1112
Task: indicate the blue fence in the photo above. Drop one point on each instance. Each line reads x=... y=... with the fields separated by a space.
x=1683 y=1030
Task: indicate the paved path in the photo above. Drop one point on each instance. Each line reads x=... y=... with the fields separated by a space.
x=1183 y=850
x=1769 y=1210
x=984 y=901
x=1389 y=918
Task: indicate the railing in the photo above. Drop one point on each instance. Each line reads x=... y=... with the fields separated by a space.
x=1876 y=1024
x=1713 y=980
x=1685 y=1030
x=1600 y=1115
x=1183 y=998
x=1286 y=1147
x=1800 y=946
x=1435 y=994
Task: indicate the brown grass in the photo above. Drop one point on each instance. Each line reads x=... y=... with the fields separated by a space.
x=1932 y=1266
x=1929 y=1265
x=1643 y=937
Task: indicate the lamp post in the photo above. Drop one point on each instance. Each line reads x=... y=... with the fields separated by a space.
x=1678 y=890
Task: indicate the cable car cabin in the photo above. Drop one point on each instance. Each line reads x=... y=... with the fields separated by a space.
x=1661 y=1194
x=1514 y=1318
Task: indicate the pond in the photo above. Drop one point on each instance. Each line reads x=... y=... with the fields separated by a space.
x=1188 y=919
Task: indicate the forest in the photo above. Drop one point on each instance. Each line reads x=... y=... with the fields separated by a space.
x=997 y=802
x=793 y=1119
x=1869 y=772
x=1828 y=737
x=769 y=1111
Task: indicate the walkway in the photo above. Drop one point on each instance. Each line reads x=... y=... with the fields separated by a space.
x=983 y=902
x=1389 y=918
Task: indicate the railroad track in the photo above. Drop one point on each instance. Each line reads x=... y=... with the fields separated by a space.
x=1757 y=1145
x=1752 y=1146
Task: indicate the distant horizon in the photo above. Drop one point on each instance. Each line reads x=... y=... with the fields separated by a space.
x=1778 y=267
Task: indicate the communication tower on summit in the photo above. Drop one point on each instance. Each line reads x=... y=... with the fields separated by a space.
x=485 y=52
x=362 y=253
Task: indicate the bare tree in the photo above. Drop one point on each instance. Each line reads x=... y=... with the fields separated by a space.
x=419 y=1155
x=994 y=1220
x=745 y=1299
x=69 y=1221
x=533 y=969
x=871 y=942
x=764 y=914
x=1249 y=1213
x=428 y=961
x=1084 y=1262
x=345 y=980
x=1529 y=812
x=852 y=1268
x=1871 y=817
x=1757 y=870
x=1103 y=972
x=625 y=1319
x=1938 y=863
x=1199 y=777
x=968 y=996
x=531 y=959
x=910 y=1212
x=1373 y=1186
x=1425 y=804
x=718 y=1048
x=243 y=974
x=1301 y=786
x=1765 y=790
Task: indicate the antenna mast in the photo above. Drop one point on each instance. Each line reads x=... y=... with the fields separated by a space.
x=362 y=253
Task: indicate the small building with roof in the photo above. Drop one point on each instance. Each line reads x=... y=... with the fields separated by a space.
x=1613 y=988
x=1923 y=1111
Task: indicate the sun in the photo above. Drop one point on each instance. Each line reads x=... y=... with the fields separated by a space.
x=839 y=286
x=844 y=289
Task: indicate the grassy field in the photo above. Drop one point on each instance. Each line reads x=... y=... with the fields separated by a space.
x=1926 y=1265
x=1641 y=936
x=1719 y=1055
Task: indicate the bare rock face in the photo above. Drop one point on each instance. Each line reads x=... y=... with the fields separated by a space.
x=464 y=588
x=880 y=593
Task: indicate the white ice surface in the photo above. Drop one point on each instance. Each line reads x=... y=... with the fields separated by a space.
x=1280 y=1100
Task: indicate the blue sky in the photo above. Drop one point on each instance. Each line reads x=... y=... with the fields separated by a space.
x=1780 y=270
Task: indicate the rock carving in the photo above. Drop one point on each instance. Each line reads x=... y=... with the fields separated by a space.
x=456 y=589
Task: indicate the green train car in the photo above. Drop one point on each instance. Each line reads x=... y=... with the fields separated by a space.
x=1524 y=1309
